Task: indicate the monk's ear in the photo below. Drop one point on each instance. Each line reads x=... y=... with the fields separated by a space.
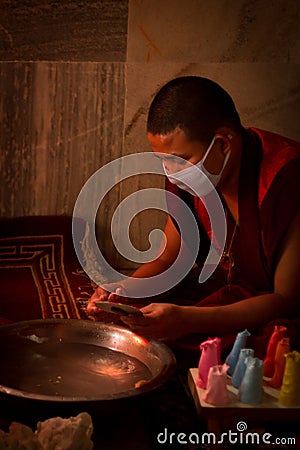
x=225 y=140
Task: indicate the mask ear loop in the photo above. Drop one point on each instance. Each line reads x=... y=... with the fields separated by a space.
x=224 y=137
x=217 y=136
x=208 y=150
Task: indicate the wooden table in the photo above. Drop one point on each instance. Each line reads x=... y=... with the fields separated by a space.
x=236 y=416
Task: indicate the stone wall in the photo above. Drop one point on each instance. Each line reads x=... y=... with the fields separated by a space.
x=77 y=78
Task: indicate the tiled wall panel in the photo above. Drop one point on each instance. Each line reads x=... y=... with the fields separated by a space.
x=63 y=30
x=60 y=123
x=252 y=48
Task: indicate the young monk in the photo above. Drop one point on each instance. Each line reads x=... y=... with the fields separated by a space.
x=257 y=176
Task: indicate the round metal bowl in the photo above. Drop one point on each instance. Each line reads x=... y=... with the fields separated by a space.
x=79 y=360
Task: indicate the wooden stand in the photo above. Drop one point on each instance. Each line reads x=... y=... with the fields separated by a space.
x=237 y=415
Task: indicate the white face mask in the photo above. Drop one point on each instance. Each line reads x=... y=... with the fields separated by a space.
x=196 y=179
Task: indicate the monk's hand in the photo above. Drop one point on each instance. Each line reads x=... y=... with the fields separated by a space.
x=159 y=321
x=105 y=293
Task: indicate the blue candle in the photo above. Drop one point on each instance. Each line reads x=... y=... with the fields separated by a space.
x=232 y=358
x=240 y=368
x=251 y=388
